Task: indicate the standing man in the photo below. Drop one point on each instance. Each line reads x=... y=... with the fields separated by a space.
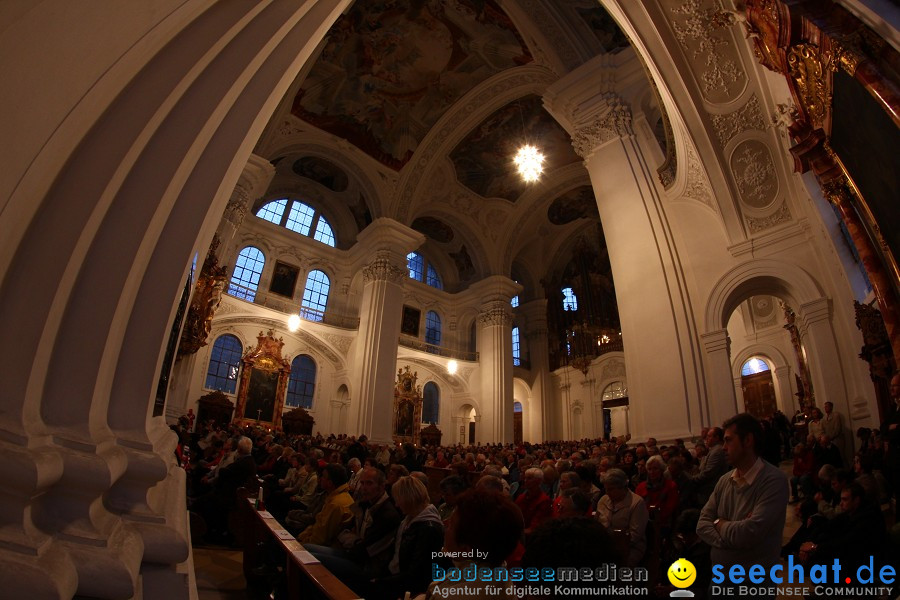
x=712 y=466
x=833 y=427
x=743 y=521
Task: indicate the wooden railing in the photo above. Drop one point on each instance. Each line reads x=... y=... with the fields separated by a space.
x=305 y=576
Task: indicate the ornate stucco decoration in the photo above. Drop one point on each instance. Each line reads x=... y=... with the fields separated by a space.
x=746 y=118
x=204 y=302
x=782 y=215
x=612 y=369
x=383 y=269
x=698 y=26
x=754 y=173
x=238 y=205
x=495 y=313
x=342 y=343
x=697 y=184
x=615 y=123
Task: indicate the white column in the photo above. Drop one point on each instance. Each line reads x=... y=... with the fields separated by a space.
x=719 y=381
x=495 y=357
x=822 y=356
x=544 y=404
x=662 y=356
x=784 y=391
x=374 y=362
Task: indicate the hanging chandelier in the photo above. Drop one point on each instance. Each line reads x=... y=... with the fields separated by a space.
x=586 y=341
x=529 y=162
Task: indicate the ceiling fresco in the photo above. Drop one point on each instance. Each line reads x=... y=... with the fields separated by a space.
x=321 y=171
x=434 y=228
x=391 y=68
x=483 y=160
x=574 y=204
x=602 y=25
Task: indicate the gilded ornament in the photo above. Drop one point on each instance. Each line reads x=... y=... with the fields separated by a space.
x=811 y=69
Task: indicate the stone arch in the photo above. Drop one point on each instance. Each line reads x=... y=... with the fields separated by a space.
x=762 y=276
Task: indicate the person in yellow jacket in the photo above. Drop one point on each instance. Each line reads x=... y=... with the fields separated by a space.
x=335 y=515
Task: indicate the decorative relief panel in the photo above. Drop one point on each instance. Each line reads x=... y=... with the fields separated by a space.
x=701 y=28
x=342 y=343
x=754 y=173
x=782 y=215
x=745 y=118
x=697 y=184
x=612 y=369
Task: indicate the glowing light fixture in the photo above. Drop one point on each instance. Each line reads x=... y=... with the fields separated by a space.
x=293 y=323
x=529 y=161
x=452 y=367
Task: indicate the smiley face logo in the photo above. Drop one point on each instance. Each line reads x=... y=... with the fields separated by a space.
x=682 y=573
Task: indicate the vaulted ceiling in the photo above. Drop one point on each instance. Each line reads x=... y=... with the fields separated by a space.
x=421 y=105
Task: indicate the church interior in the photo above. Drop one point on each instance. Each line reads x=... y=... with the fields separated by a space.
x=283 y=207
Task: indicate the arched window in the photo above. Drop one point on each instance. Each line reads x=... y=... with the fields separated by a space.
x=224 y=364
x=431 y=402
x=570 y=302
x=614 y=390
x=433 y=279
x=420 y=270
x=273 y=211
x=302 y=384
x=416 y=265
x=432 y=328
x=754 y=366
x=514 y=302
x=315 y=296
x=516 y=347
x=301 y=218
x=517 y=407
x=245 y=278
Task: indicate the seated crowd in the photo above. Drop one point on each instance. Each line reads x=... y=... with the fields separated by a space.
x=374 y=515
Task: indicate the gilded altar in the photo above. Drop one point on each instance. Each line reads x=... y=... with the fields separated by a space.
x=407 y=408
x=263 y=383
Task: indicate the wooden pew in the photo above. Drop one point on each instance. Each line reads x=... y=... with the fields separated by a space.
x=305 y=579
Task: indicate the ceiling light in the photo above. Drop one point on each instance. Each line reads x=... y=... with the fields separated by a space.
x=451 y=367
x=529 y=162
x=293 y=323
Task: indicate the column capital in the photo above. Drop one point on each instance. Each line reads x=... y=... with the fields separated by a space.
x=495 y=312
x=591 y=101
x=253 y=182
x=384 y=268
x=613 y=124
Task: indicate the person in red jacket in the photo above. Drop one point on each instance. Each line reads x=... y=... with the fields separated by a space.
x=660 y=494
x=534 y=503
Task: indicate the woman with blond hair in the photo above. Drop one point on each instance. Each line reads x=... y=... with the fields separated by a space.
x=420 y=534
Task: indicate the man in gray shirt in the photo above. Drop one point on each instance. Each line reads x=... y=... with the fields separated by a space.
x=743 y=520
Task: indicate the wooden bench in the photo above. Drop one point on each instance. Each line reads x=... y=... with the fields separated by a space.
x=304 y=577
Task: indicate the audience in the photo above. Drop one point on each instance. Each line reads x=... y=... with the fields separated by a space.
x=565 y=493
